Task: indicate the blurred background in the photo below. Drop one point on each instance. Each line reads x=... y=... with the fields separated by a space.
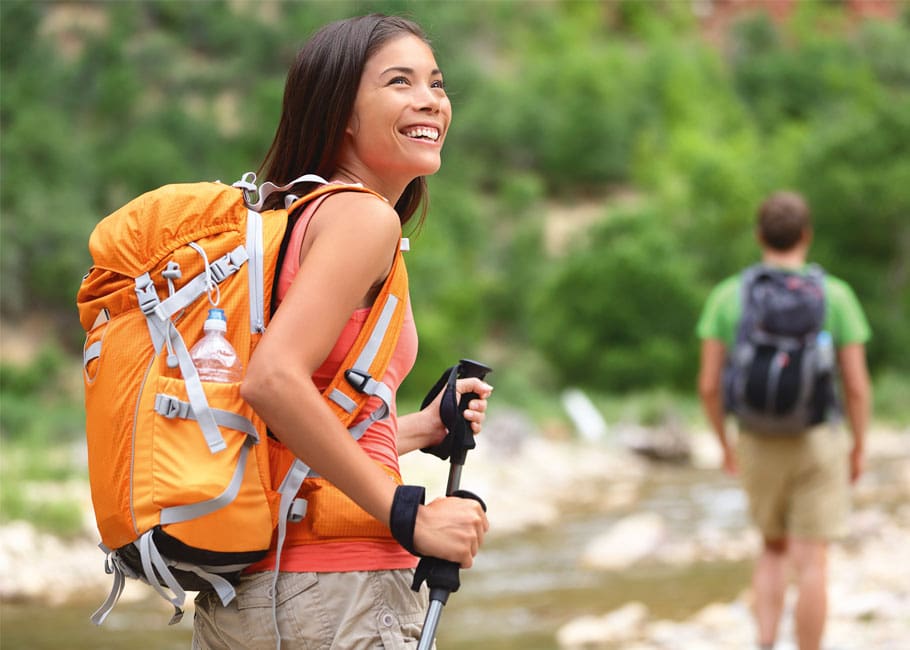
x=602 y=172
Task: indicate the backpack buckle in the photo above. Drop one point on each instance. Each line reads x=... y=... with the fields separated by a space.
x=247 y=184
x=228 y=263
x=170 y=407
x=147 y=294
x=358 y=379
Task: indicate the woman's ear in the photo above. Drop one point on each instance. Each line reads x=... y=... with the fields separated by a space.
x=352 y=127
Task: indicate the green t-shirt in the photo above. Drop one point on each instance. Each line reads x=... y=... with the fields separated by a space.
x=844 y=317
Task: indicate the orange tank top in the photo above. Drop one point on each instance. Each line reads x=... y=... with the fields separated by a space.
x=379 y=441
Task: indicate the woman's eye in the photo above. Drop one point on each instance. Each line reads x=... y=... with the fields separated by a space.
x=439 y=83
x=399 y=81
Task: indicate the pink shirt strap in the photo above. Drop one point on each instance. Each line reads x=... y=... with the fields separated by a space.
x=292 y=257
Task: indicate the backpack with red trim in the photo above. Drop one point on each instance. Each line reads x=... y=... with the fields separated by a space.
x=779 y=375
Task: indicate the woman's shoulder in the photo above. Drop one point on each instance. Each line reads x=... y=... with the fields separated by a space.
x=358 y=212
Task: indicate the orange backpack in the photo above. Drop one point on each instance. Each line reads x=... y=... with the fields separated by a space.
x=181 y=485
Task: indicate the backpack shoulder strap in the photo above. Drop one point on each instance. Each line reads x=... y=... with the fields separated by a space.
x=750 y=274
x=359 y=376
x=817 y=274
x=747 y=281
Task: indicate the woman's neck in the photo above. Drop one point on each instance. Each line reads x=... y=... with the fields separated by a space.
x=390 y=191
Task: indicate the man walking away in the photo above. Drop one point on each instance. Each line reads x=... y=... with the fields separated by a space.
x=766 y=357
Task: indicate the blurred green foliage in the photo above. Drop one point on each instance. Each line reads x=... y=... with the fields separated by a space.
x=556 y=103
x=42 y=424
x=41 y=403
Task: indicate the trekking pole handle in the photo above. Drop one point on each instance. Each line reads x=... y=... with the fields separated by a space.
x=466 y=368
x=442 y=578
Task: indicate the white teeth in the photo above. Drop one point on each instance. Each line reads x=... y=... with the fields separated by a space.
x=423 y=132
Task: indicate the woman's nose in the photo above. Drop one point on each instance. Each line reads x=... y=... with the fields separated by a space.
x=428 y=99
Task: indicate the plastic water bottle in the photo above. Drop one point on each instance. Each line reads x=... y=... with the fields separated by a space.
x=213 y=355
x=825 y=345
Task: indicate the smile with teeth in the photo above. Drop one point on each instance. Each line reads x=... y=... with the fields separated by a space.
x=423 y=133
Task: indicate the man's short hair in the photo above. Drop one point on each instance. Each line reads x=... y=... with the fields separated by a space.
x=782 y=219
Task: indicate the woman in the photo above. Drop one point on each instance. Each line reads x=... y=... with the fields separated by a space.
x=364 y=103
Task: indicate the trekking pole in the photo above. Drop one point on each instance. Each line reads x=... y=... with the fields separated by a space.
x=442 y=575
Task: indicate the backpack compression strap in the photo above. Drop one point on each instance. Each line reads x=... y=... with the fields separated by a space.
x=163 y=331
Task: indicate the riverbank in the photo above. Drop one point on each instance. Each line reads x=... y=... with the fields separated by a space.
x=869 y=583
x=625 y=514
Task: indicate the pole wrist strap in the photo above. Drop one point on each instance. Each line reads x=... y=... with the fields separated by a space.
x=404 y=514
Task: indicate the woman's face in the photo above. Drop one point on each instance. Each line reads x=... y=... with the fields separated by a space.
x=401 y=114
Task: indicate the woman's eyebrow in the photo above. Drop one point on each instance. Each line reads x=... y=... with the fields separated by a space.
x=407 y=70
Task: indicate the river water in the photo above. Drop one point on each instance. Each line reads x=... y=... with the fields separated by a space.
x=522 y=588
x=524 y=585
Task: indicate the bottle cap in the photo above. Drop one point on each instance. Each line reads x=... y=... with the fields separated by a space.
x=216 y=321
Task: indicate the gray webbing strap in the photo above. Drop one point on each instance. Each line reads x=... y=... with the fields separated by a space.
x=91 y=352
x=221 y=586
x=293 y=509
x=357 y=431
x=173 y=407
x=248 y=184
x=342 y=400
x=219 y=270
x=255 y=271
x=360 y=428
x=113 y=565
x=196 y=393
x=163 y=330
x=177 y=514
x=371 y=349
x=110 y=566
x=154 y=567
x=359 y=376
x=147 y=295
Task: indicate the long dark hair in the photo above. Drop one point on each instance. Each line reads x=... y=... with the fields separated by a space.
x=319 y=100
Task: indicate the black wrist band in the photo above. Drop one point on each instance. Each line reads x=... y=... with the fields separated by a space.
x=404 y=514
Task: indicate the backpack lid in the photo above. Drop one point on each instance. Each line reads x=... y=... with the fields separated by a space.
x=784 y=302
x=140 y=234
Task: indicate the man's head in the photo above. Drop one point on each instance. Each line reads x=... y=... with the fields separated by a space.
x=784 y=221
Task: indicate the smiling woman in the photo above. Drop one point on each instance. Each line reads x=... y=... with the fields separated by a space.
x=364 y=104
x=400 y=116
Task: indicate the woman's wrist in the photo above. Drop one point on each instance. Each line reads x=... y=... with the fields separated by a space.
x=433 y=428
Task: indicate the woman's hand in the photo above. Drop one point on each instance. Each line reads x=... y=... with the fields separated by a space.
x=451 y=528
x=475 y=413
x=426 y=429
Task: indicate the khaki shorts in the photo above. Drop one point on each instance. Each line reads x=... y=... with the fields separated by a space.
x=351 y=611
x=798 y=486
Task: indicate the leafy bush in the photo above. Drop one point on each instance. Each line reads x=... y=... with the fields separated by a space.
x=39 y=401
x=858 y=181
x=628 y=301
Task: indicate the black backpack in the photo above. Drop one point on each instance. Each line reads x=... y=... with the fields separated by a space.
x=779 y=376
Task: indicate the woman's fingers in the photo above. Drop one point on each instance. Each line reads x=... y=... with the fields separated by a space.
x=476 y=411
x=451 y=528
